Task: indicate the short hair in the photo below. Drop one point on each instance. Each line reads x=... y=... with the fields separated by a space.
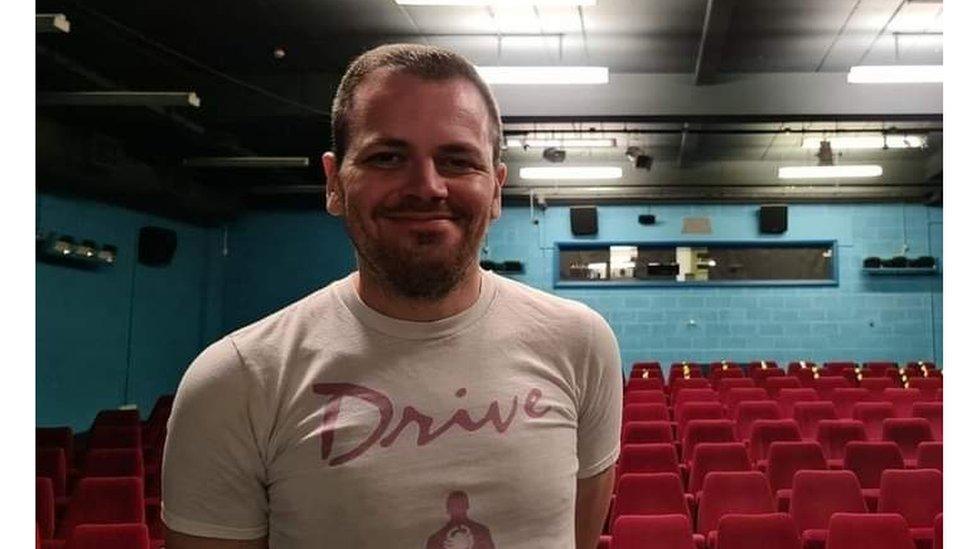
x=427 y=62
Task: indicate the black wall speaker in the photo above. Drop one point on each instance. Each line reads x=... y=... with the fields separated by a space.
x=646 y=219
x=772 y=219
x=156 y=246
x=582 y=220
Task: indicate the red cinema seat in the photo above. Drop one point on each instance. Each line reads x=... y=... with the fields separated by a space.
x=726 y=385
x=649 y=494
x=646 y=397
x=763 y=376
x=873 y=414
x=928 y=387
x=768 y=431
x=760 y=365
x=637 y=432
x=929 y=456
x=867 y=460
x=115 y=437
x=681 y=383
x=800 y=365
x=785 y=459
x=902 y=400
x=834 y=435
x=845 y=398
x=114 y=462
x=775 y=384
x=645 y=412
x=915 y=495
x=766 y=531
x=824 y=385
x=116 y=418
x=652 y=369
x=104 y=501
x=834 y=368
x=689 y=411
x=44 y=507
x=876 y=387
x=742 y=492
x=713 y=457
x=648 y=458
x=109 y=536
x=51 y=463
x=57 y=437
x=907 y=433
x=718 y=371
x=877 y=368
x=704 y=430
x=604 y=542
x=789 y=397
x=693 y=395
x=819 y=494
x=806 y=375
x=643 y=384
x=937 y=540
x=743 y=394
x=748 y=412
x=678 y=372
x=652 y=532
x=868 y=531
x=809 y=414
x=932 y=411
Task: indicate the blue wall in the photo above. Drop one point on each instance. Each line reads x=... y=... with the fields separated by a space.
x=97 y=328
x=863 y=318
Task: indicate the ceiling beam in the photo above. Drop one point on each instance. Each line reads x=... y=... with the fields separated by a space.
x=718 y=15
x=247 y=162
x=120 y=99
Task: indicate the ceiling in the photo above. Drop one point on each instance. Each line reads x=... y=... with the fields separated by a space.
x=697 y=93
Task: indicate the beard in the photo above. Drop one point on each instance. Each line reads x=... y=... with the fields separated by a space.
x=420 y=269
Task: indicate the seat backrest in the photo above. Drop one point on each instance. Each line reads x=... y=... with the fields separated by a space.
x=716 y=456
x=643 y=384
x=932 y=411
x=724 y=492
x=902 y=399
x=44 y=500
x=786 y=458
x=877 y=385
x=705 y=430
x=767 y=431
x=742 y=394
x=687 y=411
x=808 y=414
x=844 y=399
x=116 y=418
x=868 y=531
x=907 y=433
x=925 y=383
x=834 y=435
x=652 y=532
x=693 y=395
x=763 y=376
x=51 y=463
x=826 y=384
x=819 y=494
x=653 y=368
x=56 y=437
x=104 y=501
x=109 y=536
x=747 y=412
x=647 y=431
x=648 y=458
x=769 y=531
x=649 y=494
x=114 y=462
x=645 y=397
x=775 y=384
x=645 y=412
x=727 y=384
x=834 y=368
x=789 y=397
x=115 y=437
x=873 y=414
x=937 y=538
x=915 y=494
x=868 y=460
x=929 y=455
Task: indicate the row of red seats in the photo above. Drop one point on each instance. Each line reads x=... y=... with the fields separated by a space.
x=816 y=495
x=769 y=531
x=764 y=370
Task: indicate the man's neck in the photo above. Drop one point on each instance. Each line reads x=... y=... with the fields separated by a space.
x=383 y=299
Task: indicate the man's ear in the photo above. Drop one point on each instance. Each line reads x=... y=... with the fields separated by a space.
x=501 y=176
x=335 y=202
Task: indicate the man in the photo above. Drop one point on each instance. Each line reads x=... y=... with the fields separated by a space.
x=349 y=418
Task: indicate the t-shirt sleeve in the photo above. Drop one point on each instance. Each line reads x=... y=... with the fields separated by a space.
x=598 y=431
x=213 y=472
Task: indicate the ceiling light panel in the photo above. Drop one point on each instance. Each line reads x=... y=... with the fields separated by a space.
x=918 y=17
x=895 y=74
x=867 y=142
x=829 y=172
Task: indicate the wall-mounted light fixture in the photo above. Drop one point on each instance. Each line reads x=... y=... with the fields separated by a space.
x=63 y=250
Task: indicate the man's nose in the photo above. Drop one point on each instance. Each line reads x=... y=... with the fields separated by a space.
x=425 y=181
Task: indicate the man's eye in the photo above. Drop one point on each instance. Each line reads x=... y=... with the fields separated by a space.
x=385 y=158
x=459 y=164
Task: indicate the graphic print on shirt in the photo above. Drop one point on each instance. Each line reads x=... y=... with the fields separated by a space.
x=460 y=532
x=335 y=393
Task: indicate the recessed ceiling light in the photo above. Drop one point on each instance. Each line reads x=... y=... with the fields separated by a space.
x=822 y=172
x=895 y=74
x=545 y=75
x=867 y=142
x=572 y=172
x=563 y=143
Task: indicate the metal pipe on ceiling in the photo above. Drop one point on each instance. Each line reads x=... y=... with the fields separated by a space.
x=119 y=99
x=247 y=162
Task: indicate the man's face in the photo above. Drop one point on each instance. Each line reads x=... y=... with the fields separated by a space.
x=417 y=187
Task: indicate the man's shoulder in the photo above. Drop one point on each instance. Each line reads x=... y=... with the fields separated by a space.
x=525 y=301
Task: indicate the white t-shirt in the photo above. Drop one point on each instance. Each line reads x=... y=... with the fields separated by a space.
x=330 y=425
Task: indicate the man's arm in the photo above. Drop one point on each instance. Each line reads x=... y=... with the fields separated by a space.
x=592 y=503
x=176 y=540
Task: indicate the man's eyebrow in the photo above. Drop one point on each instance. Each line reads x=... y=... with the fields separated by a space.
x=459 y=148
x=389 y=142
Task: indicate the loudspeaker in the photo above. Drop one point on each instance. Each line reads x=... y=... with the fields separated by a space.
x=582 y=220
x=772 y=219
x=156 y=246
x=646 y=219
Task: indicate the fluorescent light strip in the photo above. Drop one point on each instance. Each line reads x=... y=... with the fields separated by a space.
x=545 y=75
x=867 y=142
x=825 y=172
x=565 y=143
x=895 y=74
x=496 y=3
x=572 y=172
